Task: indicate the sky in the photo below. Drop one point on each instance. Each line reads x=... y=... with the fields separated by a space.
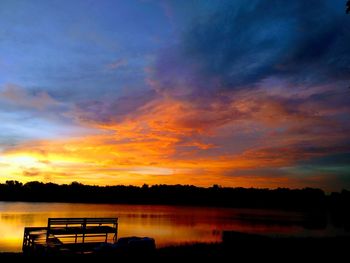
x=235 y=93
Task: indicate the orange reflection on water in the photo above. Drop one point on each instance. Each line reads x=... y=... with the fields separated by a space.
x=169 y=225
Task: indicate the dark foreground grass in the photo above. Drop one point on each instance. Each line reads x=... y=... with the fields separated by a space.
x=254 y=248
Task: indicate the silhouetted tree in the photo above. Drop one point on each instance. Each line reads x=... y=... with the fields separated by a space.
x=14 y=184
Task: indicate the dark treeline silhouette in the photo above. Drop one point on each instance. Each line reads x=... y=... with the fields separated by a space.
x=307 y=198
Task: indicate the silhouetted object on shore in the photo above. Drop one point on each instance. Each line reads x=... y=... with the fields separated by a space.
x=127 y=247
x=132 y=245
x=69 y=235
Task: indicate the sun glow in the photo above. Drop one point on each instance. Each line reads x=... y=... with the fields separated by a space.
x=21 y=161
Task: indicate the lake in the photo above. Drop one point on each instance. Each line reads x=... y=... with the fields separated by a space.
x=168 y=225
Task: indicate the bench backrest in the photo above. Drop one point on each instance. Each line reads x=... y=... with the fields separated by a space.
x=59 y=222
x=53 y=223
x=80 y=221
x=82 y=227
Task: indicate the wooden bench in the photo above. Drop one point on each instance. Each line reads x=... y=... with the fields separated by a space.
x=70 y=234
x=70 y=230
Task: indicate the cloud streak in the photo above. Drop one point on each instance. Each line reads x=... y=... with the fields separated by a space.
x=19 y=97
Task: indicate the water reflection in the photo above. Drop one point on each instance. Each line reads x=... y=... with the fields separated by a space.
x=167 y=224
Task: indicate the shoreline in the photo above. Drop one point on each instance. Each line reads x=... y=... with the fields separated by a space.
x=234 y=245
x=185 y=195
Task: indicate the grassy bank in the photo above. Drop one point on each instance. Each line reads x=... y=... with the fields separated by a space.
x=243 y=248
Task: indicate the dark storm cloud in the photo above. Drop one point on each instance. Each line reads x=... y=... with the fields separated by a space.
x=338 y=160
x=241 y=43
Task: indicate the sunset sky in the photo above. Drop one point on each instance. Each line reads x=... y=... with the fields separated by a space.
x=236 y=93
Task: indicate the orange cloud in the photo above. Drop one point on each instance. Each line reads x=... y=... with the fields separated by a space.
x=175 y=141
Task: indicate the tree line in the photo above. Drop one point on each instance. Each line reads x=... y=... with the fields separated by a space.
x=306 y=198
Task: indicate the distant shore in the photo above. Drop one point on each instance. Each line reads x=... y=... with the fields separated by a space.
x=281 y=198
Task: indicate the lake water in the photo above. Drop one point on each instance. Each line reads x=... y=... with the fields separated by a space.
x=168 y=225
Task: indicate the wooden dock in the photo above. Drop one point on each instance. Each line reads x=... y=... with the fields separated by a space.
x=70 y=235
